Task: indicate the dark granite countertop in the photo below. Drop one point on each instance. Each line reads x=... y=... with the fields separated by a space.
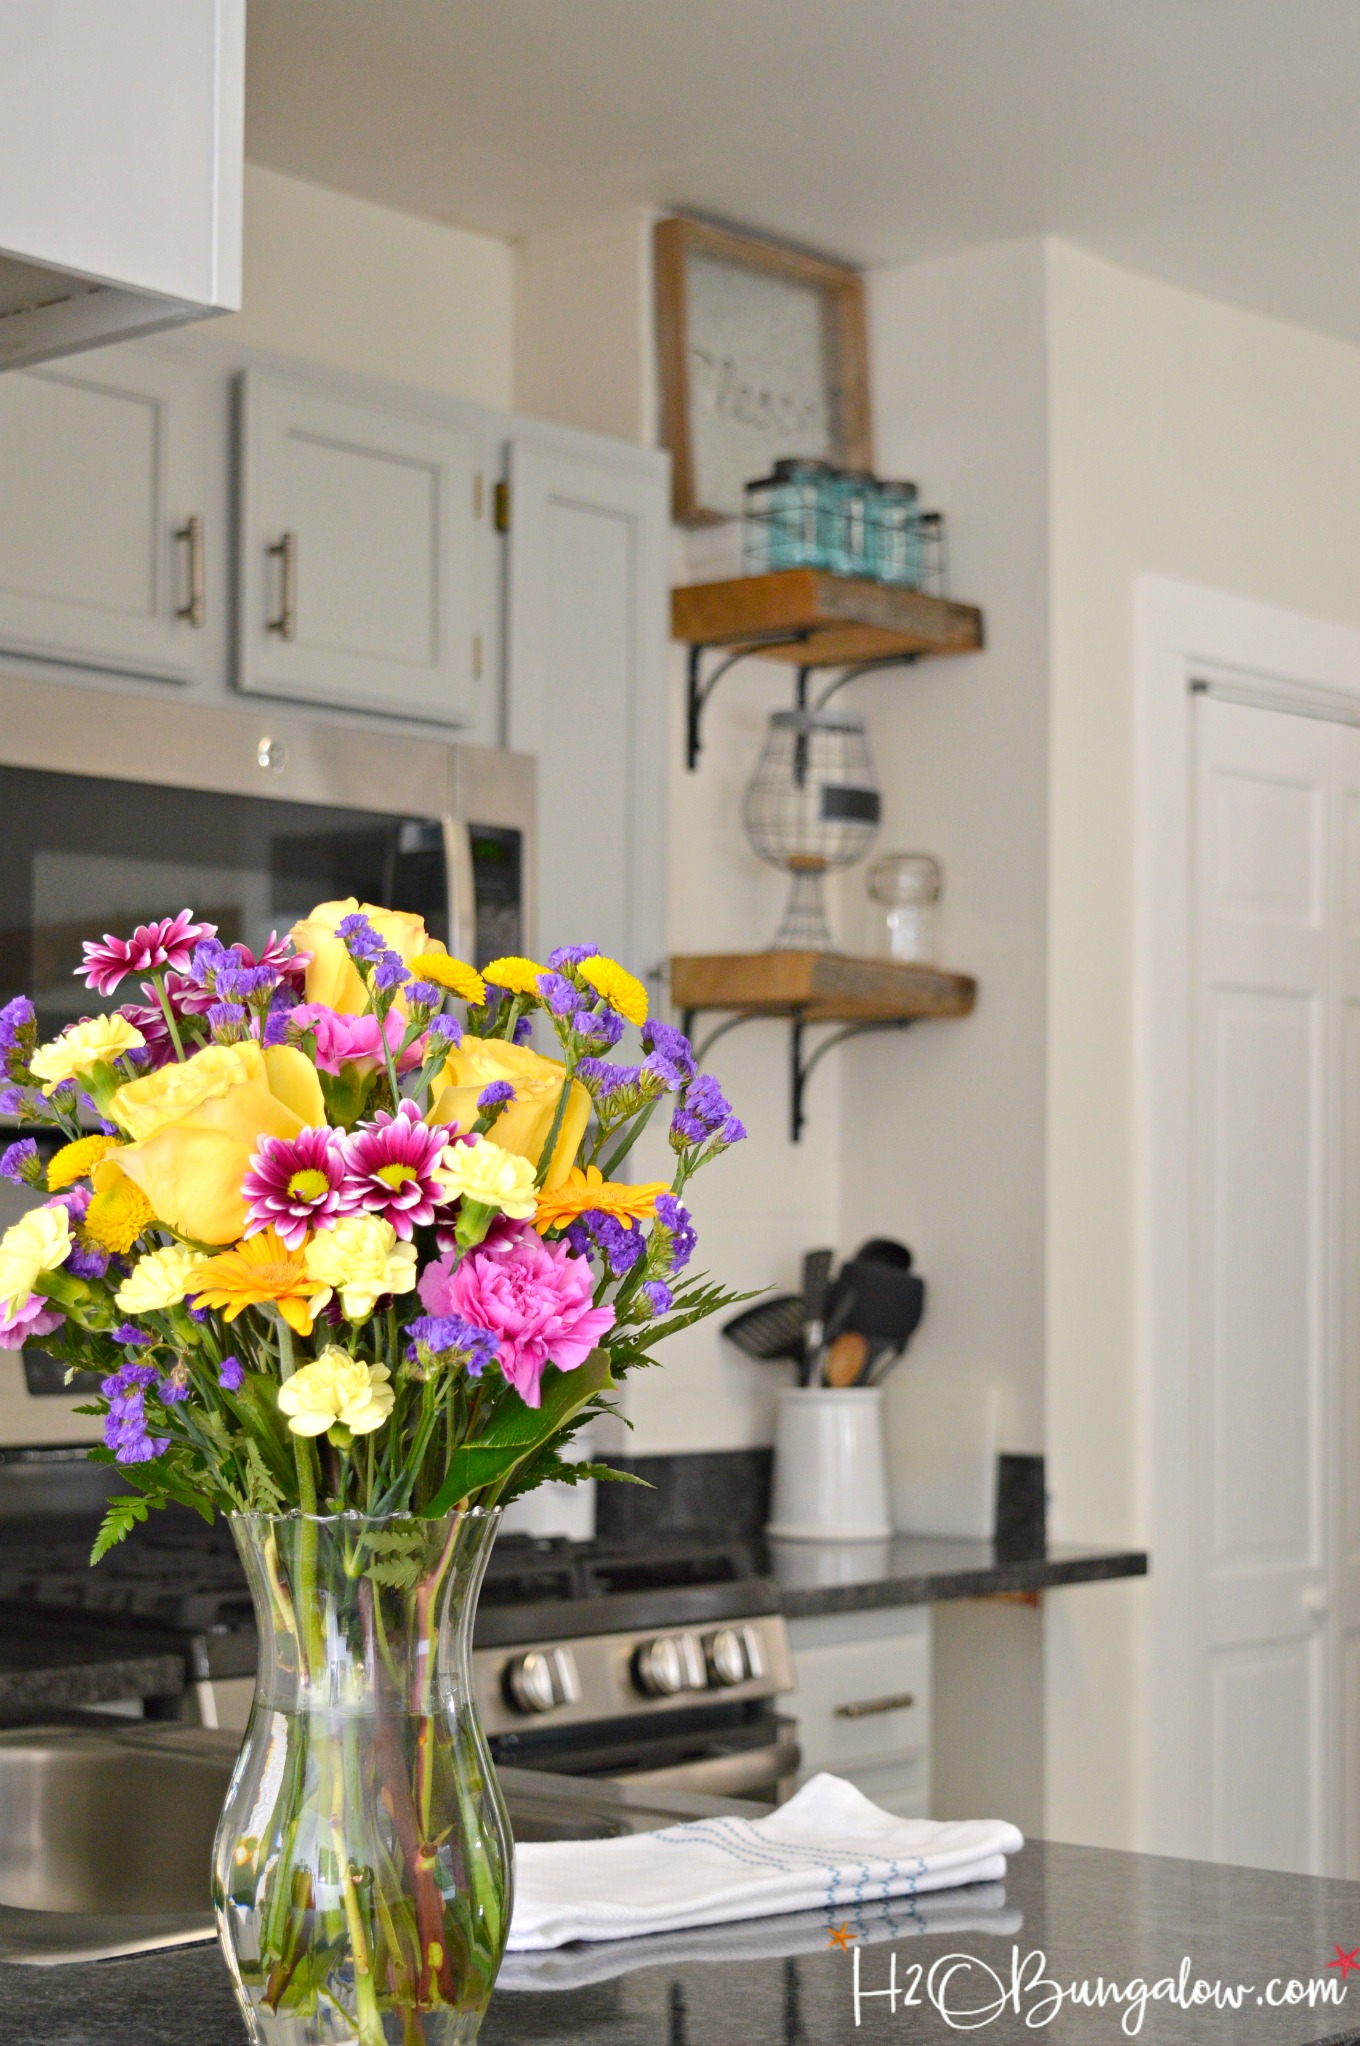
x=49 y=1664
x=1072 y=1915
x=919 y=1570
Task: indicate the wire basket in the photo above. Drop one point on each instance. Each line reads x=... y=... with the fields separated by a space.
x=810 y=807
x=807 y=514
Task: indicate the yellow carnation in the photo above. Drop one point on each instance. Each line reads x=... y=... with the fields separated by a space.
x=77 y=1161
x=119 y=1211
x=617 y=987
x=450 y=974
x=38 y=1242
x=160 y=1279
x=516 y=976
x=98 y=1041
x=337 y=1388
x=485 y=1173
x=360 y=1259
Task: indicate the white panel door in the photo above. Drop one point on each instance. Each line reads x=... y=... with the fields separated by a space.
x=586 y=680
x=1277 y=1089
x=101 y=461
x=358 y=554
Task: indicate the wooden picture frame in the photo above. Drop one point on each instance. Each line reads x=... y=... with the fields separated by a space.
x=837 y=427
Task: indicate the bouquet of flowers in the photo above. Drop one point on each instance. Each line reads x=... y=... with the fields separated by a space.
x=331 y=1245
x=352 y=1265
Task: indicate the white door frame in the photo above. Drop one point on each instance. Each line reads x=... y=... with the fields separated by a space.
x=1282 y=660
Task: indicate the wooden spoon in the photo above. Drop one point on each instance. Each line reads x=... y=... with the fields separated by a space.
x=846 y=1359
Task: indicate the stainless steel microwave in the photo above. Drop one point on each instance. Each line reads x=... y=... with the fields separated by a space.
x=116 y=808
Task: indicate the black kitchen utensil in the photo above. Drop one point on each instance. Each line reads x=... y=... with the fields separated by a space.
x=880 y=1301
x=816 y=1284
x=884 y=1250
x=771 y=1330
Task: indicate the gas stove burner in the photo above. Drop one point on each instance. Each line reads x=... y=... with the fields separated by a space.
x=528 y=1569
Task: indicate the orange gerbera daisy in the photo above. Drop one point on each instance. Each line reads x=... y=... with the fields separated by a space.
x=259 y=1269
x=589 y=1192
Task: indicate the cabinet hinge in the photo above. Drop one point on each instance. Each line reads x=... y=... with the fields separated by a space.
x=502 y=507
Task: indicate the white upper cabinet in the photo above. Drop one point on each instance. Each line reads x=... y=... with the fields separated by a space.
x=102 y=519
x=586 y=682
x=121 y=153
x=360 y=554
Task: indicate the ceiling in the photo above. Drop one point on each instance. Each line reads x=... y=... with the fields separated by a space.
x=1211 y=142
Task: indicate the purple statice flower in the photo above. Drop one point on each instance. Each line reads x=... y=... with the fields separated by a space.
x=674 y=1217
x=237 y=983
x=277 y=955
x=450 y=1335
x=577 y=1238
x=670 y=1055
x=283 y=1002
x=559 y=995
x=447 y=1027
x=231 y=1374
x=423 y=994
x=295 y=1184
x=701 y=1114
x=567 y=956
x=523 y=1030
x=657 y=1294
x=175 y=1386
x=208 y=957
x=600 y=1032
x=20 y=1163
x=733 y=1131
x=198 y=1314
x=605 y=1079
x=131 y=1337
x=87 y=1261
x=228 y=1016
x=622 y=1247
x=389 y=973
x=11 y=1100
x=359 y=938
x=17 y=1019
x=125 y=1426
x=128 y=1379
x=390 y=1168
x=169 y=942
x=495 y=1095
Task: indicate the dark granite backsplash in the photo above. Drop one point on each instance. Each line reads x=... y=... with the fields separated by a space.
x=719 y=1494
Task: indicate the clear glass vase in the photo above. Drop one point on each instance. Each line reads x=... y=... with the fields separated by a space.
x=362 y=1873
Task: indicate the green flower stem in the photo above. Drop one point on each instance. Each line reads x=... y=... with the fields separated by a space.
x=559 y=1116
x=370 y=2023
x=158 y=982
x=617 y=1157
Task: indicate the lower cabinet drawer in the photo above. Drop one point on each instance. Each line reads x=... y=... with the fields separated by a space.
x=863 y=1693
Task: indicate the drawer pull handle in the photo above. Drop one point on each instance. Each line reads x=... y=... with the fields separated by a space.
x=284 y=551
x=865 y=1708
x=195 y=612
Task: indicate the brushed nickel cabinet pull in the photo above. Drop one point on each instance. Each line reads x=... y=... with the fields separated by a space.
x=195 y=612
x=285 y=551
x=865 y=1708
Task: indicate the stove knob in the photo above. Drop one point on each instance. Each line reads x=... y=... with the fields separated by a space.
x=542 y=1679
x=669 y=1664
x=727 y=1657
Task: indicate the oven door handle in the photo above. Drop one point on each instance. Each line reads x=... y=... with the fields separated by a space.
x=460 y=888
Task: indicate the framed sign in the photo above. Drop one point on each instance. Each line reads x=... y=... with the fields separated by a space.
x=763 y=354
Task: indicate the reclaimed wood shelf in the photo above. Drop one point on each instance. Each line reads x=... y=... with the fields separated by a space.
x=853 y=995
x=824 y=621
x=815 y=621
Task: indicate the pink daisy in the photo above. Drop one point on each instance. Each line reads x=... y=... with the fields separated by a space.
x=390 y=1168
x=295 y=1184
x=152 y=947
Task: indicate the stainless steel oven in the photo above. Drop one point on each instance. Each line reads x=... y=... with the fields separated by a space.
x=116 y=808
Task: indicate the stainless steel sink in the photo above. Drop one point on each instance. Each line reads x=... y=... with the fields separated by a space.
x=106 y=1833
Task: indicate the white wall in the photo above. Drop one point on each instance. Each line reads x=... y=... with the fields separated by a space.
x=1197 y=441
x=584 y=349
x=340 y=281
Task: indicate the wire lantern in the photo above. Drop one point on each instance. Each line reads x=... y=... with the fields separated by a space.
x=810 y=807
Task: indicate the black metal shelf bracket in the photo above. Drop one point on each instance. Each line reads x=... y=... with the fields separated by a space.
x=701 y=686
x=802 y=1063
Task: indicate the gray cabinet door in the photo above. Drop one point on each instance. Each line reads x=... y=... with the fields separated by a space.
x=358 y=543
x=101 y=461
x=586 y=684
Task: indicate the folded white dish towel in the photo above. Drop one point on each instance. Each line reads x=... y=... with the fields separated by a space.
x=827 y=1848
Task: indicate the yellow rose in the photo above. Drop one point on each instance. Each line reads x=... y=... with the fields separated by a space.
x=523 y=1126
x=38 y=1242
x=193 y=1127
x=332 y=977
x=337 y=1388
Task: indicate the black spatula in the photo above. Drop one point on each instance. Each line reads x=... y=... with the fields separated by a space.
x=771 y=1330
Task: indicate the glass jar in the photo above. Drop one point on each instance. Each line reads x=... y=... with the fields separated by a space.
x=908 y=886
x=784 y=517
x=854 y=495
x=897 y=527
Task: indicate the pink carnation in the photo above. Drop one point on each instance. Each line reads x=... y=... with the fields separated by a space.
x=37 y=1317
x=353 y=1040
x=534 y=1296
